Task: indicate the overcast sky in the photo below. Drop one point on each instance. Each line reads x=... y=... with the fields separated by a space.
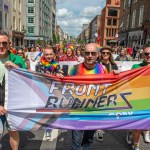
x=72 y=14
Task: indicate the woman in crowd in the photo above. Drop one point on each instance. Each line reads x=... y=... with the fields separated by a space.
x=79 y=55
x=106 y=59
x=21 y=53
x=59 y=55
x=69 y=56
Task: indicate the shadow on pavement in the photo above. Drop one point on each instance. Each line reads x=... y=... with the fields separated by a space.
x=25 y=138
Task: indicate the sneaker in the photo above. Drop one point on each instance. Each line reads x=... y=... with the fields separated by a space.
x=147 y=137
x=99 y=135
x=135 y=147
x=129 y=137
x=47 y=135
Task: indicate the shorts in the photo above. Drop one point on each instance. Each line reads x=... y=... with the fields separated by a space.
x=3 y=118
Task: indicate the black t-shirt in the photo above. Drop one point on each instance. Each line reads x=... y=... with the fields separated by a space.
x=110 y=67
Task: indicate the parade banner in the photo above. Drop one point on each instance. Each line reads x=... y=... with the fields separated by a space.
x=89 y=102
x=32 y=55
x=66 y=65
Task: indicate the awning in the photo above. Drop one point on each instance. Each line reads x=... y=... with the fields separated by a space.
x=112 y=41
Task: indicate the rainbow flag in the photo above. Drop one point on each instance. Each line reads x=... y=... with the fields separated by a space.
x=88 y=102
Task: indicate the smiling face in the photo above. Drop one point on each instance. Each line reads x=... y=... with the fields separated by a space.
x=20 y=53
x=4 y=45
x=105 y=54
x=48 y=54
x=122 y=53
x=90 y=54
x=78 y=52
x=69 y=52
x=146 y=55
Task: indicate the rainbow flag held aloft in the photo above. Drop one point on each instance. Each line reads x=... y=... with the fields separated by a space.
x=88 y=102
x=98 y=46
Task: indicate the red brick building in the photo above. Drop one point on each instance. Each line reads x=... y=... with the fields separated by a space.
x=134 y=28
x=109 y=22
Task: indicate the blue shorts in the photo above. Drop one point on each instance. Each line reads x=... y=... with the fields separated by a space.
x=3 y=118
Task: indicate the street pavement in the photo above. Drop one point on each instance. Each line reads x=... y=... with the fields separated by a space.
x=61 y=140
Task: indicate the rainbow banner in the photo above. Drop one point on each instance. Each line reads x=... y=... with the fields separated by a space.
x=87 y=102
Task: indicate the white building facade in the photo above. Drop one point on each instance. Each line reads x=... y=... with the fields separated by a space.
x=12 y=20
x=39 y=21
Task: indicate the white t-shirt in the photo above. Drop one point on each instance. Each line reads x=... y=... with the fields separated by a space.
x=2 y=68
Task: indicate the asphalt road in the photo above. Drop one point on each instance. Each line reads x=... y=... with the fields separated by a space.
x=61 y=140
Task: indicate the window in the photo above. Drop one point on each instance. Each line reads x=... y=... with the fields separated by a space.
x=127 y=23
x=114 y=22
x=133 y=18
x=14 y=4
x=112 y=12
x=30 y=1
x=141 y=15
x=124 y=5
x=109 y=22
x=19 y=24
x=14 y=23
x=19 y=6
x=30 y=9
x=6 y=20
x=129 y=3
x=30 y=29
x=134 y=1
x=122 y=22
x=30 y=19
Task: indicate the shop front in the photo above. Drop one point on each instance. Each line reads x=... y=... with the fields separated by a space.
x=17 y=38
x=135 y=38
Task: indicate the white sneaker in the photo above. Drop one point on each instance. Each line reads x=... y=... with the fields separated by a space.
x=47 y=135
x=99 y=135
x=147 y=137
x=129 y=137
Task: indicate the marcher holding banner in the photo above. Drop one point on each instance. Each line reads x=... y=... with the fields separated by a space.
x=48 y=65
x=136 y=134
x=89 y=66
x=10 y=61
x=107 y=60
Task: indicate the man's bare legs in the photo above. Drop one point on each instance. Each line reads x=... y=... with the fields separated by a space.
x=14 y=139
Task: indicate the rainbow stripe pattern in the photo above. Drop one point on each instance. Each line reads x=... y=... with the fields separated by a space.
x=87 y=102
x=50 y=66
x=81 y=70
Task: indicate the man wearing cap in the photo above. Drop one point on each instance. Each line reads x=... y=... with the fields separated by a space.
x=10 y=61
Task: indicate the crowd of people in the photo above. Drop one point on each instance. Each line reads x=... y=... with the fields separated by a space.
x=92 y=62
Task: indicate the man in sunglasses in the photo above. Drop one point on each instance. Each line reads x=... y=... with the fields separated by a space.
x=133 y=137
x=10 y=61
x=88 y=67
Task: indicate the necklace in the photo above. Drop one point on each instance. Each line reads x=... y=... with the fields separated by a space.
x=49 y=66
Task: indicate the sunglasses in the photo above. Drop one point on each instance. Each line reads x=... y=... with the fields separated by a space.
x=4 y=43
x=20 y=53
x=146 y=54
x=92 y=53
x=106 y=53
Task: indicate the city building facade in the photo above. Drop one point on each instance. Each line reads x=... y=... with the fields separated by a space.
x=94 y=27
x=12 y=21
x=1 y=7
x=59 y=33
x=134 y=29
x=39 y=21
x=109 y=22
